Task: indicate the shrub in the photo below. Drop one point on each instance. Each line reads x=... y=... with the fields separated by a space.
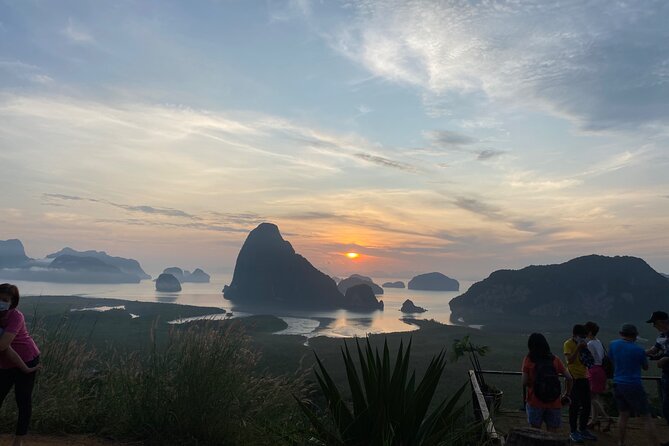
x=200 y=388
x=389 y=406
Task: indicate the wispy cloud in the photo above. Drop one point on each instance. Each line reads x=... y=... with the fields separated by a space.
x=77 y=34
x=525 y=54
x=385 y=162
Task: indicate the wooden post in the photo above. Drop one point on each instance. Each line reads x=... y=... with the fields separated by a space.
x=528 y=436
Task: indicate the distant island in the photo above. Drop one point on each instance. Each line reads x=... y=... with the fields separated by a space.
x=597 y=287
x=409 y=307
x=269 y=272
x=398 y=284
x=167 y=283
x=197 y=276
x=357 y=279
x=433 y=282
x=128 y=266
x=67 y=266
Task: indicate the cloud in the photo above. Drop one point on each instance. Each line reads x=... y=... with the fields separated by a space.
x=385 y=162
x=77 y=34
x=132 y=208
x=606 y=70
x=25 y=71
x=487 y=154
x=449 y=138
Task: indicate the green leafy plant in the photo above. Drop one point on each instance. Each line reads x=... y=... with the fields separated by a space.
x=389 y=406
x=464 y=345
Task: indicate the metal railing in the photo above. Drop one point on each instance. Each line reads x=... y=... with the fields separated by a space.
x=657 y=379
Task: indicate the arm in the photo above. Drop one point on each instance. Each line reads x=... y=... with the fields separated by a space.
x=6 y=340
x=572 y=356
x=568 y=383
x=14 y=358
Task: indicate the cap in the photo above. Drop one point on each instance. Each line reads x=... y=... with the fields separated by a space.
x=628 y=330
x=658 y=316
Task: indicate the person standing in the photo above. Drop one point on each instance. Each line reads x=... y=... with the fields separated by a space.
x=541 y=377
x=660 y=350
x=597 y=377
x=579 y=410
x=628 y=360
x=16 y=336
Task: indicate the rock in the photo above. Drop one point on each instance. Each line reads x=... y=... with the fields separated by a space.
x=362 y=297
x=433 y=282
x=167 y=283
x=88 y=264
x=184 y=276
x=176 y=272
x=128 y=266
x=398 y=284
x=613 y=289
x=197 y=276
x=12 y=254
x=269 y=272
x=357 y=279
x=409 y=307
x=76 y=269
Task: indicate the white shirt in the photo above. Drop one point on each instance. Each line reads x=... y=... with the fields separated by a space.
x=597 y=349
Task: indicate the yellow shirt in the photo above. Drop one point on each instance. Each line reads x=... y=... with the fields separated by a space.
x=576 y=368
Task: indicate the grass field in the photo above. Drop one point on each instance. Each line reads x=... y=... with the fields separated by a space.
x=283 y=361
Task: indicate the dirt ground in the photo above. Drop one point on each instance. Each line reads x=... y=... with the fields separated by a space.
x=70 y=440
x=636 y=435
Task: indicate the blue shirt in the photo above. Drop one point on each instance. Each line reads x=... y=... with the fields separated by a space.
x=628 y=359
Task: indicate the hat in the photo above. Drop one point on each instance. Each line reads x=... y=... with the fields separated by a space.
x=658 y=316
x=628 y=330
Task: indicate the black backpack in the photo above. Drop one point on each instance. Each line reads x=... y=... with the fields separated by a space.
x=547 y=387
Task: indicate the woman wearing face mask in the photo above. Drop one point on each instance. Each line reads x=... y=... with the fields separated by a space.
x=16 y=343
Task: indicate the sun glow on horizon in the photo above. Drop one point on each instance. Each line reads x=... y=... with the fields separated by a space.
x=352 y=255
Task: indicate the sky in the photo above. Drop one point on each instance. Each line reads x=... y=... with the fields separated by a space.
x=453 y=136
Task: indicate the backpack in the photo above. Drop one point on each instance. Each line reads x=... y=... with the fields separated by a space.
x=547 y=387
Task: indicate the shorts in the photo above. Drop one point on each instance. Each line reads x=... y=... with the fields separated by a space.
x=597 y=379
x=631 y=398
x=538 y=415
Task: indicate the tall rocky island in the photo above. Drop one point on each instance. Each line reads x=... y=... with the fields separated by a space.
x=269 y=272
x=604 y=289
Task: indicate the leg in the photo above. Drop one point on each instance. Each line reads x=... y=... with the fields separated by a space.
x=25 y=382
x=650 y=429
x=585 y=407
x=6 y=383
x=665 y=396
x=622 y=426
x=573 y=407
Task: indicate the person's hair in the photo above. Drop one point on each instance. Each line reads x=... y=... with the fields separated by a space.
x=579 y=330
x=538 y=347
x=13 y=292
x=592 y=327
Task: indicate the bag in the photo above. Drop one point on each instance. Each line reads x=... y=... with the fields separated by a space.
x=607 y=364
x=586 y=358
x=547 y=387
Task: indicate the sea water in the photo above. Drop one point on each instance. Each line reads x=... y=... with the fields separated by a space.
x=337 y=323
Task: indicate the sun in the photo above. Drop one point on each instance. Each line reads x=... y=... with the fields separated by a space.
x=352 y=255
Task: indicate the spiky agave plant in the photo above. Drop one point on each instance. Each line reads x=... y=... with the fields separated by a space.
x=388 y=407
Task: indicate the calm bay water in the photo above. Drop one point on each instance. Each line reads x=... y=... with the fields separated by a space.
x=340 y=323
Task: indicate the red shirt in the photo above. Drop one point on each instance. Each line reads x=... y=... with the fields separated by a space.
x=528 y=367
x=23 y=344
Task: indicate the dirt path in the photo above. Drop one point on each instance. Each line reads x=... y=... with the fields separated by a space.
x=636 y=434
x=69 y=440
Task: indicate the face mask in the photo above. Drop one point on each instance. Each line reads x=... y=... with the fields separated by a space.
x=4 y=306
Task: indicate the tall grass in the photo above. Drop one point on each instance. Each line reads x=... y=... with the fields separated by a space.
x=201 y=388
